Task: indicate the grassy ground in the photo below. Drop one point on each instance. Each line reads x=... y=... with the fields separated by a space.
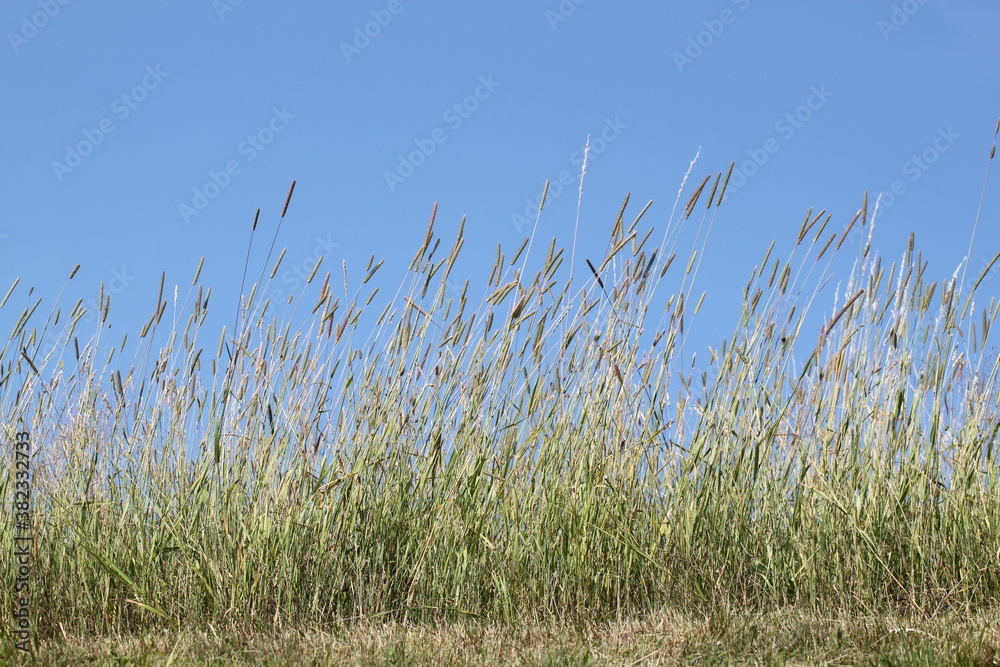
x=536 y=461
x=781 y=638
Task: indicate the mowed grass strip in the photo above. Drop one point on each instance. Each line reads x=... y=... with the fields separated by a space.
x=724 y=637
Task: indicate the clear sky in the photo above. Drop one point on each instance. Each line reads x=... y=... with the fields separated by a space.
x=139 y=137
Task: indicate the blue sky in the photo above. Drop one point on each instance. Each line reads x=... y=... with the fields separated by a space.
x=139 y=137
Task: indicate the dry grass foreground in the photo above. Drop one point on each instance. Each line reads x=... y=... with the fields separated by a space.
x=787 y=637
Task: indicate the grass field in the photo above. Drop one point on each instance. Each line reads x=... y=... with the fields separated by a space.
x=538 y=477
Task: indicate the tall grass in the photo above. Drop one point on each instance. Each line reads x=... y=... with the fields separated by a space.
x=543 y=452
